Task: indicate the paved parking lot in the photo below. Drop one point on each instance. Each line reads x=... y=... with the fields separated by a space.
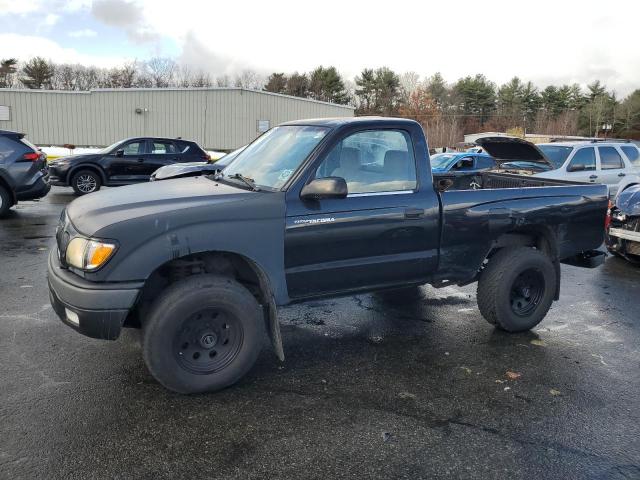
x=421 y=389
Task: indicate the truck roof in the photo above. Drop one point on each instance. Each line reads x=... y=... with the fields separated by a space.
x=339 y=121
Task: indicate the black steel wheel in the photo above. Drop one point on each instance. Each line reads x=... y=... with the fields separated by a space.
x=203 y=333
x=517 y=288
x=208 y=341
x=526 y=292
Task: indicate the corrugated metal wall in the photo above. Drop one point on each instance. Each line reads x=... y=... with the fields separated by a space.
x=224 y=118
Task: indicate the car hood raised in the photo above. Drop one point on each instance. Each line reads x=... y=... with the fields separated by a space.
x=96 y=211
x=510 y=149
x=180 y=169
x=628 y=201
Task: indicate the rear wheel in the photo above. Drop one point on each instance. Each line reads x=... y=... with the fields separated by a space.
x=516 y=289
x=6 y=202
x=85 y=181
x=203 y=333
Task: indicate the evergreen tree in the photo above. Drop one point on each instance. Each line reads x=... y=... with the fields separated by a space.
x=37 y=74
x=276 y=83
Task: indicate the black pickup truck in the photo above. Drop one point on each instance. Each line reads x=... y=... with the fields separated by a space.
x=310 y=209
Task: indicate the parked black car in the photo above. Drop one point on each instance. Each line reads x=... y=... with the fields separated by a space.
x=23 y=170
x=125 y=162
x=315 y=208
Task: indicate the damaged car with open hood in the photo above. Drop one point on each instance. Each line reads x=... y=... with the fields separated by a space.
x=312 y=209
x=623 y=221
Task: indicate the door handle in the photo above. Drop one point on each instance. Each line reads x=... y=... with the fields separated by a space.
x=621 y=174
x=413 y=212
x=593 y=177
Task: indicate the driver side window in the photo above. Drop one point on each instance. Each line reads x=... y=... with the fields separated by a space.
x=372 y=161
x=465 y=163
x=133 y=148
x=583 y=160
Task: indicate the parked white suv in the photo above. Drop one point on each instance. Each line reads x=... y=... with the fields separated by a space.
x=606 y=162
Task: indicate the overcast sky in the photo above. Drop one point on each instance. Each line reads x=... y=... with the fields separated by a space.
x=544 y=41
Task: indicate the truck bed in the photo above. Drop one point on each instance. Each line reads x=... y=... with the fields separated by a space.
x=492 y=180
x=477 y=209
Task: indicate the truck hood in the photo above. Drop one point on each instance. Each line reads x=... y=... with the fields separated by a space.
x=96 y=211
x=514 y=149
x=628 y=201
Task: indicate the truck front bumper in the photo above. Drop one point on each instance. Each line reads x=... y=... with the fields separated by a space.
x=97 y=310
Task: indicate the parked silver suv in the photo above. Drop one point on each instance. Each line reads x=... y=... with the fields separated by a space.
x=597 y=161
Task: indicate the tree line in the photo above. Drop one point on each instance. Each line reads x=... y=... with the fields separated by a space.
x=446 y=110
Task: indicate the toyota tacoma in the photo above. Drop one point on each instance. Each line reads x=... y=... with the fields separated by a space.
x=313 y=208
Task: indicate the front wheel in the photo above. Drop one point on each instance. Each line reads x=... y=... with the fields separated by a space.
x=85 y=181
x=516 y=289
x=203 y=333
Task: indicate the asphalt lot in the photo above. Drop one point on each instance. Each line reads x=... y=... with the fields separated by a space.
x=369 y=389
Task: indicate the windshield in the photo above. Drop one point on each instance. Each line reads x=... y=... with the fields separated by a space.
x=556 y=154
x=441 y=160
x=271 y=159
x=109 y=148
x=229 y=157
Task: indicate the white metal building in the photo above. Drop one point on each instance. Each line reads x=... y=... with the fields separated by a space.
x=216 y=118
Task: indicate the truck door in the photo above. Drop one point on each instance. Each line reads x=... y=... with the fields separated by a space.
x=386 y=232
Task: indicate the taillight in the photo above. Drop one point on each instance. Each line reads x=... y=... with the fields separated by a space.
x=31 y=156
x=607 y=219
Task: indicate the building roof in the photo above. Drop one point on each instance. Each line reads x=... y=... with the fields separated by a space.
x=175 y=89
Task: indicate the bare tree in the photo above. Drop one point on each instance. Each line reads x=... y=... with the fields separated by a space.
x=161 y=71
x=223 y=81
x=201 y=80
x=250 y=80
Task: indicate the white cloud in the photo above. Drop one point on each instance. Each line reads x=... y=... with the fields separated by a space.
x=128 y=15
x=24 y=47
x=19 y=6
x=51 y=19
x=572 y=41
x=85 y=32
x=543 y=41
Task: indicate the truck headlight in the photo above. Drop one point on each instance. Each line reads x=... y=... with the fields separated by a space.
x=88 y=254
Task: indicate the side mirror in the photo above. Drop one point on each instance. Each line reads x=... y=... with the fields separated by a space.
x=576 y=168
x=444 y=184
x=330 y=187
x=120 y=153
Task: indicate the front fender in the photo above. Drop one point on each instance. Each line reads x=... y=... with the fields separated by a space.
x=252 y=229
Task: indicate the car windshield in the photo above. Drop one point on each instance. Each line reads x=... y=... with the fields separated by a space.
x=229 y=157
x=557 y=154
x=271 y=159
x=109 y=148
x=441 y=160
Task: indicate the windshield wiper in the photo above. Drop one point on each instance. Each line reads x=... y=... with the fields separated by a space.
x=248 y=181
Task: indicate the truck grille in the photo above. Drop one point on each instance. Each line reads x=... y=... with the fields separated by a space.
x=62 y=237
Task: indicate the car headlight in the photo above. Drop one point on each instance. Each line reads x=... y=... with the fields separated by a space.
x=88 y=254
